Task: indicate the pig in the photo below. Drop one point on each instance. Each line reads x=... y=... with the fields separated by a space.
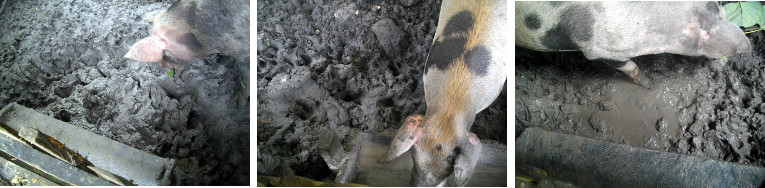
x=464 y=74
x=614 y=31
x=192 y=29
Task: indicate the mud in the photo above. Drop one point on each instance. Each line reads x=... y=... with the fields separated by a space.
x=350 y=66
x=690 y=105
x=64 y=59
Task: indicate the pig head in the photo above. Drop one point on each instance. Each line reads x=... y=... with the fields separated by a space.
x=195 y=28
x=437 y=152
x=464 y=73
x=615 y=32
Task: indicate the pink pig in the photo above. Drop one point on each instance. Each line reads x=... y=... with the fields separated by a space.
x=192 y=29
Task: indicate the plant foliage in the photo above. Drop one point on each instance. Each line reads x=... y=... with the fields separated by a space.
x=745 y=14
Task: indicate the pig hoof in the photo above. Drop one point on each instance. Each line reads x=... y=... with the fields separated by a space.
x=629 y=68
x=634 y=74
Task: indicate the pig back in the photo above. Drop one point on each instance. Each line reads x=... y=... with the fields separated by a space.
x=465 y=66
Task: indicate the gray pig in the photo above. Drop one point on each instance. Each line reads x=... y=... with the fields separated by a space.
x=195 y=28
x=615 y=32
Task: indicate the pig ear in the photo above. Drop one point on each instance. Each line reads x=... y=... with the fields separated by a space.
x=146 y=50
x=465 y=163
x=407 y=135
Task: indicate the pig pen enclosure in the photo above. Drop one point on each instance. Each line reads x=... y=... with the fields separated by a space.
x=691 y=106
x=64 y=59
x=348 y=66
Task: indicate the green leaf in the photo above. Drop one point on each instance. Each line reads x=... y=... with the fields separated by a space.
x=744 y=14
x=762 y=17
x=170 y=73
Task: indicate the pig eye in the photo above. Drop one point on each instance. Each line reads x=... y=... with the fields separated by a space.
x=456 y=152
x=190 y=41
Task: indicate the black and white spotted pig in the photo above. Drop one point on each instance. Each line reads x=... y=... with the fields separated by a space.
x=616 y=31
x=464 y=73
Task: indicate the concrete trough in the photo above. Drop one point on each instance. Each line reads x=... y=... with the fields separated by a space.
x=491 y=170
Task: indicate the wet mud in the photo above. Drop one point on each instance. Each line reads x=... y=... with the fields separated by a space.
x=690 y=105
x=64 y=59
x=348 y=66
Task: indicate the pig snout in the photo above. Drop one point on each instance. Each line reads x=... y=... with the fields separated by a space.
x=464 y=74
x=724 y=40
x=471 y=148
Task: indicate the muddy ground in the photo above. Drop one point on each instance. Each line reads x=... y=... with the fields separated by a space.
x=64 y=59
x=692 y=106
x=346 y=65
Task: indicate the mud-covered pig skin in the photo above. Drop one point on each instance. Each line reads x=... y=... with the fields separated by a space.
x=620 y=31
x=192 y=29
x=464 y=73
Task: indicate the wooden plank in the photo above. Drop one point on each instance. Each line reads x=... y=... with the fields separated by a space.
x=42 y=166
x=137 y=166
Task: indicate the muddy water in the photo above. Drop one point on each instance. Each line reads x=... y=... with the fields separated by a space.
x=631 y=113
x=395 y=174
x=687 y=105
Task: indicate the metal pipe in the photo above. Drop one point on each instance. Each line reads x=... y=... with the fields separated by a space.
x=593 y=163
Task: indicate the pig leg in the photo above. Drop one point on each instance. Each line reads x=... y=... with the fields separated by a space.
x=406 y=136
x=628 y=67
x=465 y=163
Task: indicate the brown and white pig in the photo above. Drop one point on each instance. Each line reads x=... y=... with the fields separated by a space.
x=195 y=28
x=616 y=31
x=464 y=73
